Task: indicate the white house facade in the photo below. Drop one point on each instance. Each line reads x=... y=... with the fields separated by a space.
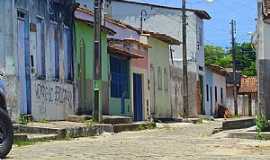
x=262 y=37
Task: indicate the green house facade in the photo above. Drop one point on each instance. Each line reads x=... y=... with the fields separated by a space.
x=84 y=65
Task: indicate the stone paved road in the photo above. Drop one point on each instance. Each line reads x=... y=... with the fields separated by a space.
x=173 y=142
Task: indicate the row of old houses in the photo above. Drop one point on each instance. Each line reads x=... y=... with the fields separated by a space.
x=220 y=93
x=47 y=53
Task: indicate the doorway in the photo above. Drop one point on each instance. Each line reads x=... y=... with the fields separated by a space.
x=137 y=96
x=23 y=55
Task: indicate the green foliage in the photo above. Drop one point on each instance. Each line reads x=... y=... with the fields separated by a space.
x=147 y=126
x=44 y=121
x=200 y=121
x=245 y=57
x=213 y=54
x=261 y=125
x=89 y=123
x=225 y=61
x=251 y=70
x=23 y=120
x=21 y=143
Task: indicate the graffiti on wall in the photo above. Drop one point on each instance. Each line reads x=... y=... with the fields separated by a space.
x=54 y=93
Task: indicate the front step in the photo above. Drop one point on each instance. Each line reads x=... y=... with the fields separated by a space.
x=35 y=129
x=34 y=137
x=67 y=130
x=78 y=118
x=28 y=137
x=133 y=126
x=117 y=120
x=106 y=119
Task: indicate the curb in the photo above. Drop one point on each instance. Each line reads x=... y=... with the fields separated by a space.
x=22 y=132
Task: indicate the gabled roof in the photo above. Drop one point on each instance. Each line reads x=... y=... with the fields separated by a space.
x=217 y=69
x=200 y=13
x=91 y=23
x=122 y=52
x=163 y=37
x=266 y=8
x=248 y=85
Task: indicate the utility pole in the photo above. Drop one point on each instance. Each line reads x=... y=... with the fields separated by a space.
x=185 y=67
x=97 y=59
x=233 y=28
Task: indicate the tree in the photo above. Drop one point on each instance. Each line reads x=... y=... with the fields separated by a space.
x=225 y=61
x=245 y=58
x=213 y=54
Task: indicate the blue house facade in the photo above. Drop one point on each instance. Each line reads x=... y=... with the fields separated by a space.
x=37 y=57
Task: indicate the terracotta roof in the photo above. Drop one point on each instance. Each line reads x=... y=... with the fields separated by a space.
x=248 y=85
x=266 y=8
x=200 y=13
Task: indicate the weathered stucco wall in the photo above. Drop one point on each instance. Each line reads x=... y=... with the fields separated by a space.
x=176 y=92
x=51 y=100
x=263 y=63
x=242 y=103
x=8 y=58
x=16 y=62
x=214 y=80
x=85 y=69
x=160 y=90
x=165 y=20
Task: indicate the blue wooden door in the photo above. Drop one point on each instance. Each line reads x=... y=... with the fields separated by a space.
x=23 y=66
x=137 y=96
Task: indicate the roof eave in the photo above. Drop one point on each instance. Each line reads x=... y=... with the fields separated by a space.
x=200 y=13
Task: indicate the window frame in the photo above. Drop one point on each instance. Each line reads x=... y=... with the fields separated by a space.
x=159 y=78
x=166 y=80
x=120 y=82
x=54 y=51
x=207 y=92
x=40 y=51
x=68 y=54
x=221 y=95
x=216 y=94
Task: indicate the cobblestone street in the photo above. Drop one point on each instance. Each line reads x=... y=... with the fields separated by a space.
x=178 y=141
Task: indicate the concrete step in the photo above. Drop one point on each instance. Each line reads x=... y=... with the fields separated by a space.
x=63 y=129
x=238 y=123
x=36 y=129
x=78 y=118
x=117 y=120
x=106 y=119
x=133 y=126
x=34 y=137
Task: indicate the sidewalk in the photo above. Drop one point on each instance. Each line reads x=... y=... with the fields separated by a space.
x=57 y=130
